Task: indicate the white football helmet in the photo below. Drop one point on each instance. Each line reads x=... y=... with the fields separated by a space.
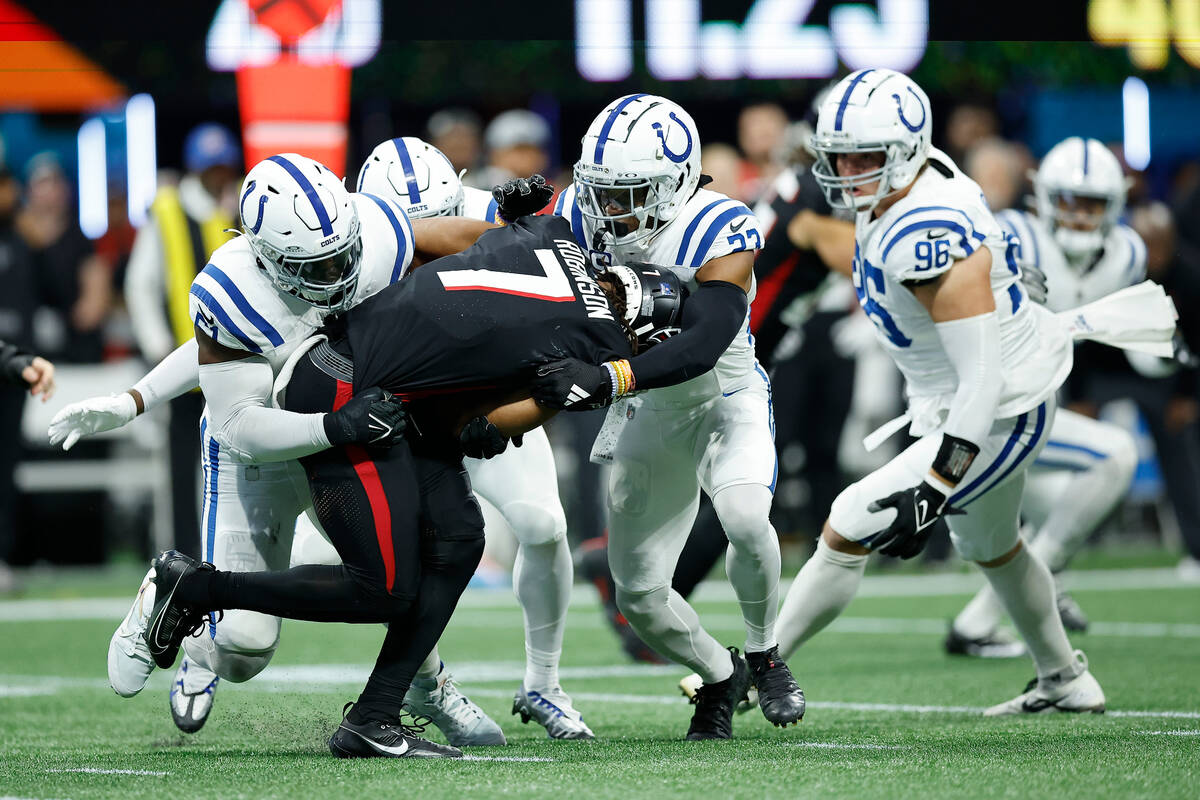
x=640 y=164
x=871 y=111
x=414 y=174
x=1080 y=190
x=303 y=227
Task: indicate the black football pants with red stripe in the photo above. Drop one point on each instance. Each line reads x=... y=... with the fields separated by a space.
x=410 y=535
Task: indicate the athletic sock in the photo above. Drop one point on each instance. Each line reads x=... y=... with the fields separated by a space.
x=431 y=667
x=821 y=591
x=542 y=577
x=312 y=592
x=1026 y=588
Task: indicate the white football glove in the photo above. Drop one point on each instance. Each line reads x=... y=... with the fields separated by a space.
x=91 y=416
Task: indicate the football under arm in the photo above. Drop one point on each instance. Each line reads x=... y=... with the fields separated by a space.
x=435 y=237
x=963 y=310
x=236 y=386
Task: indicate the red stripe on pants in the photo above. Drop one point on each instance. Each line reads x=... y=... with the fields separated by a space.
x=364 y=467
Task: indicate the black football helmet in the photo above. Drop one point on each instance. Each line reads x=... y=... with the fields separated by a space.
x=654 y=298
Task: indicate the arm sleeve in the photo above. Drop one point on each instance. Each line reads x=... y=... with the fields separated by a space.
x=174 y=375
x=144 y=295
x=237 y=393
x=973 y=347
x=712 y=316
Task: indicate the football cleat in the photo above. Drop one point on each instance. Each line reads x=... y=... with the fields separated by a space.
x=129 y=659
x=463 y=723
x=170 y=621
x=386 y=739
x=192 y=694
x=690 y=684
x=995 y=645
x=1072 y=616
x=779 y=696
x=1072 y=690
x=553 y=711
x=713 y=717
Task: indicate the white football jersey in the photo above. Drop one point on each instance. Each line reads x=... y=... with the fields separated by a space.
x=234 y=301
x=943 y=219
x=478 y=204
x=709 y=225
x=1121 y=263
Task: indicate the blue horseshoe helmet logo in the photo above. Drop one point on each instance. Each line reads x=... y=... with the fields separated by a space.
x=678 y=158
x=262 y=201
x=900 y=111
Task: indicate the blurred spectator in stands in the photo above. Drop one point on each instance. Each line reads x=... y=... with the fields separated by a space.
x=516 y=143
x=966 y=126
x=722 y=163
x=74 y=284
x=1187 y=204
x=761 y=129
x=185 y=225
x=1164 y=390
x=999 y=169
x=457 y=133
x=17 y=304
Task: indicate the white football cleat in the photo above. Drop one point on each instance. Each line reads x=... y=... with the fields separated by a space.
x=690 y=684
x=129 y=659
x=552 y=710
x=1072 y=690
x=192 y=695
x=455 y=715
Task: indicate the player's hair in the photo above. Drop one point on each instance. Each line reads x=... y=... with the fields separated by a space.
x=616 y=300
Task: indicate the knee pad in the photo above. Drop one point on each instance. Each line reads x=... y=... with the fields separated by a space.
x=535 y=524
x=744 y=512
x=243 y=645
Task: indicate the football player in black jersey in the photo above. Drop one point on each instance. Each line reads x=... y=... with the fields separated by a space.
x=458 y=340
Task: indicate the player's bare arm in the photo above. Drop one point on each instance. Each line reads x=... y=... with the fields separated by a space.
x=442 y=236
x=832 y=239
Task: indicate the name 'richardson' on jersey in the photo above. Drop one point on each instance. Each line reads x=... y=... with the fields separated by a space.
x=593 y=298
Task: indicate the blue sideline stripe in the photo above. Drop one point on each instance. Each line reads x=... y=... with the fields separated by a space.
x=714 y=228
x=930 y=223
x=210 y=302
x=401 y=239
x=995 y=465
x=307 y=188
x=1038 y=427
x=414 y=191
x=598 y=156
x=243 y=305
x=845 y=101
x=695 y=223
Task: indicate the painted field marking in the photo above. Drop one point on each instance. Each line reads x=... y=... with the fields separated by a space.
x=99 y=771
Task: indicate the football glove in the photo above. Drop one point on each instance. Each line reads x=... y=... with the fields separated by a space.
x=573 y=385
x=521 y=197
x=91 y=416
x=918 y=511
x=1034 y=281
x=481 y=439
x=372 y=417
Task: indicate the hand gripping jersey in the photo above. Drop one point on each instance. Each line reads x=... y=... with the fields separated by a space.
x=1121 y=263
x=710 y=225
x=486 y=317
x=944 y=218
x=234 y=301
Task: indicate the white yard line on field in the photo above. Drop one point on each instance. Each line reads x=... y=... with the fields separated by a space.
x=99 y=771
x=1169 y=733
x=506 y=758
x=844 y=746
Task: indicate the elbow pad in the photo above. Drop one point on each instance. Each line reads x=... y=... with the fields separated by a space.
x=712 y=315
x=973 y=347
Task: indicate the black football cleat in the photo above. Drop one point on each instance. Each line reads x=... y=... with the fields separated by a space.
x=713 y=717
x=170 y=621
x=387 y=739
x=1072 y=616
x=994 y=645
x=779 y=696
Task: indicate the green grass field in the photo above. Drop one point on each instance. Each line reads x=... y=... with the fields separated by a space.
x=889 y=714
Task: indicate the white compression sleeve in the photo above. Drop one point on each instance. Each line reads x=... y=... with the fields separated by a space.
x=973 y=346
x=237 y=393
x=174 y=375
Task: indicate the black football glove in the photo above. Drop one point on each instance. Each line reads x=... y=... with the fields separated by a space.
x=1034 y=281
x=481 y=439
x=521 y=197
x=372 y=417
x=918 y=512
x=573 y=385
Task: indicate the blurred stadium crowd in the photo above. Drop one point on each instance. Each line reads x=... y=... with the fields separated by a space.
x=103 y=310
